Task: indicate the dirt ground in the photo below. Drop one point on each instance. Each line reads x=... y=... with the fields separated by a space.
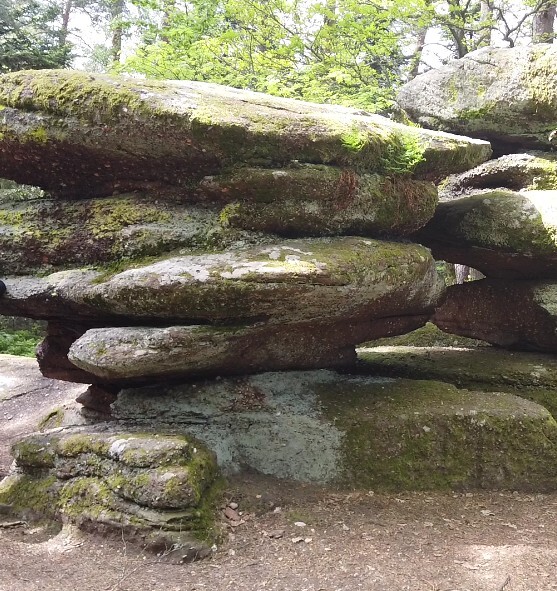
x=293 y=537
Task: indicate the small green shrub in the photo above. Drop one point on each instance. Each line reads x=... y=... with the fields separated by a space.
x=403 y=155
x=20 y=342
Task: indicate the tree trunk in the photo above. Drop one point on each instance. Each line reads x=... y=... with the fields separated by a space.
x=461 y=273
x=116 y=13
x=68 y=5
x=418 y=50
x=486 y=19
x=544 y=25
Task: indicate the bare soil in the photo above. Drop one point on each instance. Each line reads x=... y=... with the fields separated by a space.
x=293 y=537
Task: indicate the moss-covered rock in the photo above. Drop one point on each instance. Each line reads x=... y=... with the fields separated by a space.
x=528 y=375
x=501 y=233
x=358 y=431
x=159 y=489
x=44 y=234
x=338 y=278
x=83 y=135
x=313 y=200
x=530 y=171
x=505 y=95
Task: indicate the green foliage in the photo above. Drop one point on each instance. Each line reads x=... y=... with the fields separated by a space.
x=404 y=153
x=12 y=191
x=341 y=51
x=20 y=342
x=30 y=36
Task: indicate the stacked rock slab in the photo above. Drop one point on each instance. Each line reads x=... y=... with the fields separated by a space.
x=190 y=230
x=500 y=217
x=157 y=489
x=232 y=205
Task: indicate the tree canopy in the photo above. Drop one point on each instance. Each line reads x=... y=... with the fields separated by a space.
x=30 y=36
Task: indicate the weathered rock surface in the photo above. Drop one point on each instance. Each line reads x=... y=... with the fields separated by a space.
x=136 y=353
x=531 y=171
x=500 y=233
x=505 y=95
x=528 y=375
x=157 y=488
x=292 y=305
x=355 y=431
x=513 y=314
x=84 y=135
x=42 y=234
x=313 y=200
x=295 y=280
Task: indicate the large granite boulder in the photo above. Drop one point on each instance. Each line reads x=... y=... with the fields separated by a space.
x=501 y=233
x=505 y=95
x=370 y=433
x=512 y=314
x=83 y=135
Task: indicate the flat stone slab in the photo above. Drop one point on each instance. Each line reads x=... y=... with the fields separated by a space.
x=86 y=135
x=530 y=171
x=128 y=354
x=313 y=279
x=319 y=200
x=359 y=432
x=501 y=233
x=529 y=375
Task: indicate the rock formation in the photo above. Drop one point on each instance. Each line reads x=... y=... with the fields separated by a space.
x=502 y=233
x=500 y=217
x=191 y=230
x=208 y=259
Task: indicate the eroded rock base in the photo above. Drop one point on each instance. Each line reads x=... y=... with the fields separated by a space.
x=158 y=490
x=351 y=431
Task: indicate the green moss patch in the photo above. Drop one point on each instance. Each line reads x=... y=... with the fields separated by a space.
x=419 y=435
x=528 y=375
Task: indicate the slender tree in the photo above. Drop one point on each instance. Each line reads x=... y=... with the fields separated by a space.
x=544 y=24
